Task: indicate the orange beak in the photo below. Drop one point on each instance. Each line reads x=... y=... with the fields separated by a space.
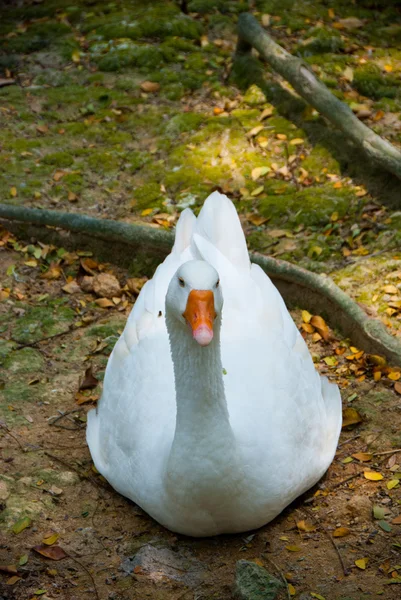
x=200 y=314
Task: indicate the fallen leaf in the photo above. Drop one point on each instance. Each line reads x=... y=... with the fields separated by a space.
x=259 y=172
x=318 y=596
x=291 y=548
x=397 y=520
x=373 y=475
x=397 y=387
x=320 y=325
x=150 y=87
x=266 y=113
x=257 y=191
x=13 y=191
x=390 y=289
x=50 y=539
x=9 y=569
x=388 y=68
x=363 y=456
x=306 y=316
x=348 y=74
x=13 y=580
x=255 y=130
x=341 y=532
x=21 y=524
x=72 y=197
x=394 y=375
x=385 y=526
x=291 y=590
x=378 y=512
x=104 y=302
x=218 y=110
x=305 y=526
x=83 y=398
x=308 y=328
x=42 y=129
x=351 y=417
x=52 y=552
x=76 y=56
x=257 y=220
x=392 y=484
x=277 y=233
x=331 y=361
x=89 y=380
x=361 y=563
x=296 y=142
x=23 y=560
x=281 y=136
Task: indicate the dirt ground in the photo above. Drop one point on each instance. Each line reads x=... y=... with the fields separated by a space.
x=133 y=111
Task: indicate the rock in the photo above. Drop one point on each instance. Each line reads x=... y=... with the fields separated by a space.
x=253 y=582
x=86 y=283
x=159 y=562
x=106 y=285
x=254 y=96
x=359 y=506
x=4 y=491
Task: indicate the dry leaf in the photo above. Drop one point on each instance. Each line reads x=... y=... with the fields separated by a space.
x=150 y=86
x=9 y=569
x=341 y=532
x=320 y=325
x=22 y=524
x=71 y=288
x=89 y=381
x=392 y=484
x=305 y=526
x=104 y=302
x=397 y=520
x=52 y=552
x=307 y=327
x=363 y=456
x=42 y=129
x=59 y=175
x=291 y=548
x=255 y=130
x=373 y=475
x=291 y=590
x=394 y=375
x=83 y=399
x=257 y=191
x=72 y=197
x=361 y=563
x=297 y=142
x=351 y=417
x=50 y=539
x=259 y=172
x=266 y=113
x=13 y=191
x=397 y=387
x=390 y=289
x=306 y=316
x=281 y=136
x=13 y=580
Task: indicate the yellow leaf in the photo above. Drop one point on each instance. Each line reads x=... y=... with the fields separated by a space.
x=331 y=14
x=347 y=460
x=306 y=316
x=361 y=563
x=13 y=191
x=58 y=175
x=318 y=596
x=51 y=539
x=373 y=475
x=266 y=113
x=388 y=68
x=363 y=456
x=146 y=212
x=72 y=197
x=31 y=263
x=104 y=302
x=394 y=375
x=255 y=130
x=150 y=86
x=297 y=142
x=305 y=526
x=338 y=185
x=284 y=538
x=392 y=483
x=291 y=548
x=292 y=591
x=308 y=328
x=341 y=532
x=259 y=172
x=351 y=417
x=257 y=191
x=76 y=56
x=320 y=325
x=281 y=136
x=390 y=289
x=330 y=361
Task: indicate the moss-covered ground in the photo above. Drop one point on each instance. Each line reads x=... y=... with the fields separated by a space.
x=134 y=111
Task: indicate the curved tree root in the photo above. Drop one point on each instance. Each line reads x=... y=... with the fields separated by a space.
x=298 y=286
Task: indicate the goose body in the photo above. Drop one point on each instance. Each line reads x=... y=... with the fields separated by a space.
x=215 y=430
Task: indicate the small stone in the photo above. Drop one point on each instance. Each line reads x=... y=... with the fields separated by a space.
x=4 y=491
x=106 y=285
x=253 y=582
x=86 y=283
x=359 y=506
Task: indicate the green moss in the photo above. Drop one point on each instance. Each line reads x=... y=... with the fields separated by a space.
x=6 y=347
x=319 y=41
x=42 y=321
x=320 y=158
x=147 y=195
x=37 y=37
x=26 y=360
x=254 y=96
x=183 y=122
x=370 y=81
x=102 y=162
x=58 y=159
x=126 y=54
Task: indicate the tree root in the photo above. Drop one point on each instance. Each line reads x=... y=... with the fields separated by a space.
x=298 y=286
x=298 y=74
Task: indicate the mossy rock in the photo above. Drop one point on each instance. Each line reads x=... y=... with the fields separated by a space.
x=320 y=158
x=254 y=96
x=370 y=81
x=26 y=360
x=42 y=321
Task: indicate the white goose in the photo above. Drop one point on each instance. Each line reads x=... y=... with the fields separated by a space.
x=213 y=417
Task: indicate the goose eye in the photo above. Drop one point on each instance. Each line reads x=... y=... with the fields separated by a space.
x=218 y=283
x=181 y=282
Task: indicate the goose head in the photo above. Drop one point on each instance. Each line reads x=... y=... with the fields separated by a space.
x=194 y=298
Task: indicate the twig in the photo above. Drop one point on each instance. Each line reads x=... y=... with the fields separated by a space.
x=319 y=524
x=50 y=337
x=87 y=571
x=65 y=414
x=349 y=440
x=387 y=452
x=336 y=485
x=281 y=575
x=6 y=429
